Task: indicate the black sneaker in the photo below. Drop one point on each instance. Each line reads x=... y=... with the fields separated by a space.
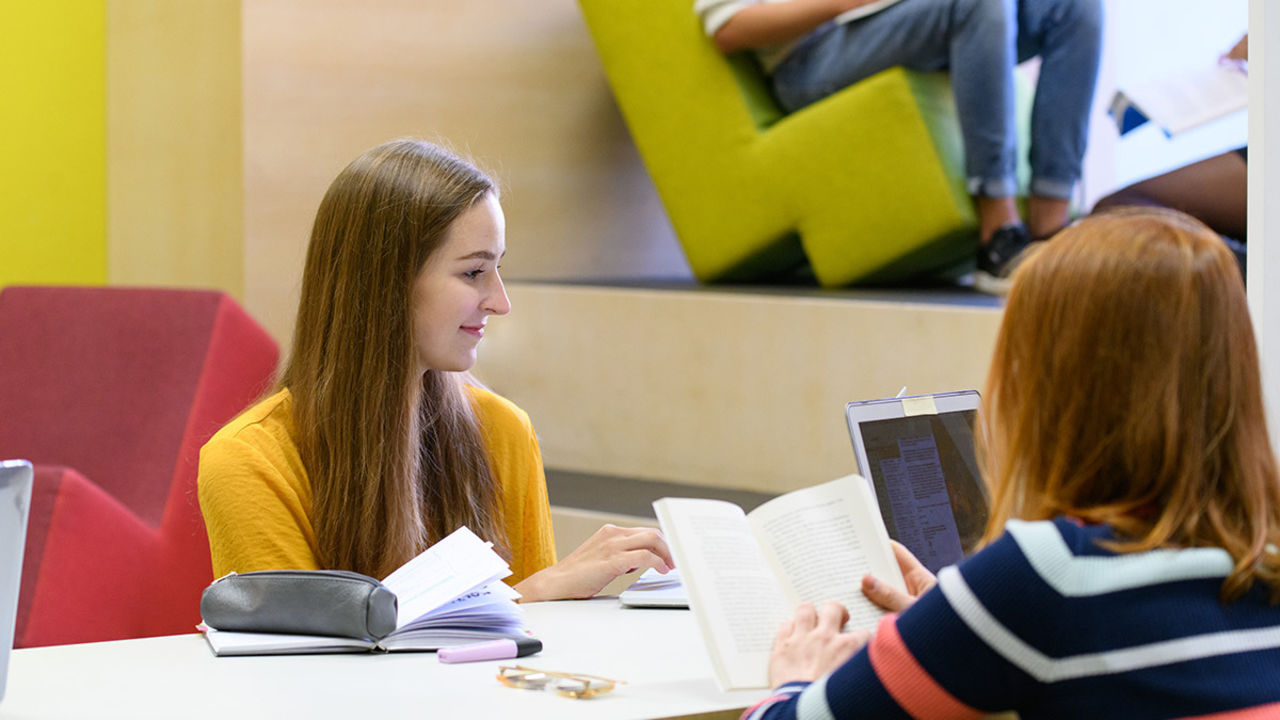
x=997 y=257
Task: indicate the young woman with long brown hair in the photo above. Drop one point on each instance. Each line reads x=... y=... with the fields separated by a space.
x=1133 y=564
x=377 y=443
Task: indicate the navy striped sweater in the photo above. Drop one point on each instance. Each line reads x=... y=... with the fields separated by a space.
x=1047 y=623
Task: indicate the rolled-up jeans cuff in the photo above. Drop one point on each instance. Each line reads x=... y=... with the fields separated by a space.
x=1050 y=188
x=992 y=187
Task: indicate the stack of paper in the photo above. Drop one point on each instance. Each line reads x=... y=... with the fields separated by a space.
x=1181 y=102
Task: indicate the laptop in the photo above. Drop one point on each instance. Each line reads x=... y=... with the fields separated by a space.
x=918 y=454
x=15 y=500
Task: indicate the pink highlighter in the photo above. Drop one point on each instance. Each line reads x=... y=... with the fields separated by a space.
x=503 y=649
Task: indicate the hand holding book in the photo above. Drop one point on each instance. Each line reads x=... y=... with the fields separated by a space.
x=812 y=643
x=745 y=573
x=914 y=573
x=1239 y=54
x=1187 y=99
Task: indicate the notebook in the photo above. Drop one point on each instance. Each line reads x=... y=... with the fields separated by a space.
x=655 y=590
x=15 y=500
x=918 y=454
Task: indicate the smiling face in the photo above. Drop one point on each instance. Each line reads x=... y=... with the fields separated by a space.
x=458 y=289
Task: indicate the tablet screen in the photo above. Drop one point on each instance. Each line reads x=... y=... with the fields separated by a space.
x=927 y=483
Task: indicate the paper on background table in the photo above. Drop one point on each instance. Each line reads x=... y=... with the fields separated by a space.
x=862 y=11
x=1188 y=99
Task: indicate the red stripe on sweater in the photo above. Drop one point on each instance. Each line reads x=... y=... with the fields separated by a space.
x=780 y=697
x=1262 y=712
x=911 y=687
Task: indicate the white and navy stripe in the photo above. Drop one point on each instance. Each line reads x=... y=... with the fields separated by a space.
x=1048 y=622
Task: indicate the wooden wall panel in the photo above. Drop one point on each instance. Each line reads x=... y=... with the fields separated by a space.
x=174 y=151
x=516 y=84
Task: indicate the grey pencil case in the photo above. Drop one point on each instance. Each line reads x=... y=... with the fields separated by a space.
x=300 y=602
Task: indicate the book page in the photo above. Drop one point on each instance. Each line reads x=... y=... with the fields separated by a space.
x=457 y=564
x=731 y=589
x=491 y=605
x=251 y=643
x=822 y=540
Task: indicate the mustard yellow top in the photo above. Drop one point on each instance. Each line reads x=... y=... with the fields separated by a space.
x=256 y=497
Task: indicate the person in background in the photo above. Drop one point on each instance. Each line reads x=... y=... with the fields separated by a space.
x=809 y=53
x=1133 y=564
x=1213 y=190
x=377 y=443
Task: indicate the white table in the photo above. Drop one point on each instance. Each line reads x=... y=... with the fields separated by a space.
x=658 y=652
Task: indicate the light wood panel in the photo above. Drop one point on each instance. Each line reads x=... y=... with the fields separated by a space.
x=174 y=169
x=718 y=388
x=514 y=83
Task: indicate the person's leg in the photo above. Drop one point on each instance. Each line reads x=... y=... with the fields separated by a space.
x=1067 y=35
x=917 y=34
x=975 y=38
x=1046 y=215
x=995 y=213
x=1213 y=190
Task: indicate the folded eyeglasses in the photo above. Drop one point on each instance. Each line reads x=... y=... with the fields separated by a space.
x=573 y=685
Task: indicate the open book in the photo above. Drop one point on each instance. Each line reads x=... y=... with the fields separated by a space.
x=745 y=573
x=1180 y=102
x=450 y=594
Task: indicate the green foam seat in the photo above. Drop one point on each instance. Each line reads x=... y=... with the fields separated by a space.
x=866 y=185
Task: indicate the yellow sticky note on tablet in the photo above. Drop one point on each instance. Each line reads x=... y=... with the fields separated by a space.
x=922 y=405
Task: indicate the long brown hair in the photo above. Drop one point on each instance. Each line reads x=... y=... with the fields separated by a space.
x=1125 y=389
x=395 y=457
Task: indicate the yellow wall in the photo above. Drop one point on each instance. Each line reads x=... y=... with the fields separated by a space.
x=53 y=142
x=121 y=143
x=135 y=154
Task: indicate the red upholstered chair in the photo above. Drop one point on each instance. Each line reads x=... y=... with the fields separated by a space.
x=111 y=392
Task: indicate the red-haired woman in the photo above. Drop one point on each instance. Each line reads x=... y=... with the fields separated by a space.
x=1133 y=564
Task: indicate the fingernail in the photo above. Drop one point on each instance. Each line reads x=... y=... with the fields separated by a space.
x=869 y=583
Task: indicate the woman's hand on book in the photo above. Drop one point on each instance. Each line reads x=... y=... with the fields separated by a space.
x=610 y=552
x=918 y=578
x=1239 y=53
x=811 y=645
